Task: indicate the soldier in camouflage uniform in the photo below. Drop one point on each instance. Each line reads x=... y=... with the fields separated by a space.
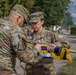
x=45 y=64
x=11 y=43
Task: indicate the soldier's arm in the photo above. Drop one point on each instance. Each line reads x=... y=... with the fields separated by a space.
x=61 y=41
x=24 y=54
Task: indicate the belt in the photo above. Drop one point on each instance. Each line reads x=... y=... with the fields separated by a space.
x=41 y=62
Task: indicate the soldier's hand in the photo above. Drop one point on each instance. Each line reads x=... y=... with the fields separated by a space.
x=51 y=47
x=38 y=47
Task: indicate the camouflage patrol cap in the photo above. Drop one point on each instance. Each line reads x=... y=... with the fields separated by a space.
x=21 y=10
x=35 y=17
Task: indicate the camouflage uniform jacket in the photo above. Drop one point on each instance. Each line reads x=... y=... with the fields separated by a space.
x=12 y=44
x=46 y=37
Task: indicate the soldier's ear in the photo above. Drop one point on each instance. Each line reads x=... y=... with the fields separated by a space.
x=19 y=19
x=42 y=22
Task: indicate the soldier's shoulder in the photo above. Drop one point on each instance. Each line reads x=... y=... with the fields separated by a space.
x=49 y=32
x=6 y=24
x=1 y=20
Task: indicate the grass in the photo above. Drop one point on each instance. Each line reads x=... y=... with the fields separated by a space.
x=68 y=69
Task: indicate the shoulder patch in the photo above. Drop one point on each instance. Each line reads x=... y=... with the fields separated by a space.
x=60 y=36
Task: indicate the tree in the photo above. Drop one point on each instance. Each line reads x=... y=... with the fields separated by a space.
x=6 y=5
x=67 y=20
x=4 y=8
x=54 y=10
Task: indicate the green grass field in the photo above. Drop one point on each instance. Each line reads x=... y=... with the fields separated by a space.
x=68 y=69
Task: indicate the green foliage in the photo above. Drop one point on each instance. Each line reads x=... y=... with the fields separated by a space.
x=6 y=5
x=73 y=30
x=67 y=20
x=4 y=8
x=26 y=3
x=54 y=10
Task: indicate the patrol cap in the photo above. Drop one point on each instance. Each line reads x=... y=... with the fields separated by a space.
x=35 y=17
x=21 y=10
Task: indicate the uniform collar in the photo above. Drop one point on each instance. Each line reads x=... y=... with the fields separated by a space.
x=43 y=30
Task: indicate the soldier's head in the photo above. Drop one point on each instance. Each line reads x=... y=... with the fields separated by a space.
x=19 y=14
x=37 y=20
